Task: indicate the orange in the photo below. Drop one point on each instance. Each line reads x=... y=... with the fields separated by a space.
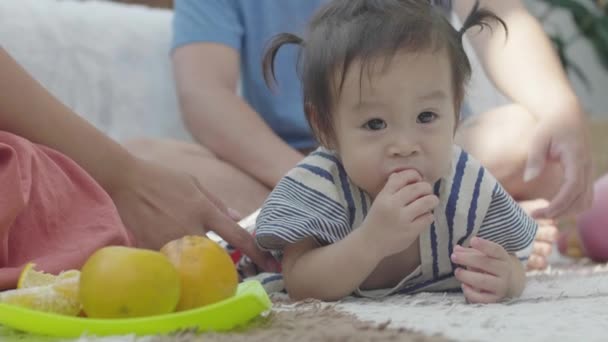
x=122 y=282
x=206 y=271
x=30 y=277
x=45 y=292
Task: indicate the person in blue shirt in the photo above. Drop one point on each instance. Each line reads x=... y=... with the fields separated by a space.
x=537 y=149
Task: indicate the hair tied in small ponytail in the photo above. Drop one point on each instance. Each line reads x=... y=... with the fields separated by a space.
x=482 y=18
x=271 y=52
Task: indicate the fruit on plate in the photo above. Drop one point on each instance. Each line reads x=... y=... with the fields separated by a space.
x=42 y=291
x=124 y=282
x=206 y=271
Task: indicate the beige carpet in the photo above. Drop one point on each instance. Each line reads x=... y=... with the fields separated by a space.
x=566 y=303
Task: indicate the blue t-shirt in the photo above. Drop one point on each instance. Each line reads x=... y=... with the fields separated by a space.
x=248 y=26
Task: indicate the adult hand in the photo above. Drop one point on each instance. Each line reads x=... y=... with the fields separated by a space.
x=159 y=204
x=563 y=138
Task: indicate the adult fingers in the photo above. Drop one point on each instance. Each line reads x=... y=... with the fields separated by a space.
x=572 y=189
x=537 y=155
x=212 y=198
x=216 y=220
x=238 y=237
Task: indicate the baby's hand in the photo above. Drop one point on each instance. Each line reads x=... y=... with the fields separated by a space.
x=486 y=271
x=400 y=212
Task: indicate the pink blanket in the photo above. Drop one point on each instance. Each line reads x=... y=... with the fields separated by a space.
x=52 y=212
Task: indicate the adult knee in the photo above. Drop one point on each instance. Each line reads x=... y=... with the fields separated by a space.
x=499 y=139
x=159 y=149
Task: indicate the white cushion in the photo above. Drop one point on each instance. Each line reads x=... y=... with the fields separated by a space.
x=109 y=62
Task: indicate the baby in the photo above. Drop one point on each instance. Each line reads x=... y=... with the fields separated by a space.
x=388 y=204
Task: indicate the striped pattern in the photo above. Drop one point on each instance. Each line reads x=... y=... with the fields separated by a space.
x=508 y=225
x=314 y=200
x=317 y=200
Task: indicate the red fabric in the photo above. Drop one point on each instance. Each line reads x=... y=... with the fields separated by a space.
x=52 y=212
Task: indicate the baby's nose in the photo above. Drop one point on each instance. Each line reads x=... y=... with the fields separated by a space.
x=403 y=147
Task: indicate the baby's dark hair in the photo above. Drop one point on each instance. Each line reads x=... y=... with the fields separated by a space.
x=346 y=30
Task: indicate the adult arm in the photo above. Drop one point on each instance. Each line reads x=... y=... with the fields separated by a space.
x=525 y=68
x=206 y=76
x=149 y=197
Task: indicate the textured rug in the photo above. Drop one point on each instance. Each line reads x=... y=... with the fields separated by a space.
x=567 y=302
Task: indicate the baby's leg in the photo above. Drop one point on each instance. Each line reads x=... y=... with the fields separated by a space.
x=500 y=139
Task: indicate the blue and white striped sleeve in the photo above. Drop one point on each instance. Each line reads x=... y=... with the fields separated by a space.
x=508 y=225
x=295 y=211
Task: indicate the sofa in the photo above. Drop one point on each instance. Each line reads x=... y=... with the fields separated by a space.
x=107 y=61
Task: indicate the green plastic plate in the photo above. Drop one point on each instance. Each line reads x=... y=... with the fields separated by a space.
x=250 y=301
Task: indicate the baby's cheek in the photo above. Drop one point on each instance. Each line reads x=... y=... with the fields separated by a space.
x=447 y=161
x=442 y=169
x=362 y=177
x=373 y=186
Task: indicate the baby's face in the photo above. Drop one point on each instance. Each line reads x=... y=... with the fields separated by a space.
x=401 y=118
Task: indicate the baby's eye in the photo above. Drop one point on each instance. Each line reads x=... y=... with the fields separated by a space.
x=426 y=117
x=375 y=124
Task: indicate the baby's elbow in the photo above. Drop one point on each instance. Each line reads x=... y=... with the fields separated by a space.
x=303 y=294
x=297 y=290
x=298 y=295
x=301 y=290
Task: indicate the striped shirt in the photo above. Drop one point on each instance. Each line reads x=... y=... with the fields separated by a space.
x=317 y=200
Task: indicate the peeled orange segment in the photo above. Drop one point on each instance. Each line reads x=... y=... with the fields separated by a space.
x=60 y=297
x=31 y=278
